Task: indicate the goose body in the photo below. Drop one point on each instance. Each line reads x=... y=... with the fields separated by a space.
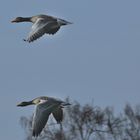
x=44 y=107
x=41 y=24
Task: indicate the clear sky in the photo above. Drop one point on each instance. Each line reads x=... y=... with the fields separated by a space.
x=97 y=58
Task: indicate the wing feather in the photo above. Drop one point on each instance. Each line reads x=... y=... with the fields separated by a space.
x=41 y=116
x=39 y=28
x=58 y=114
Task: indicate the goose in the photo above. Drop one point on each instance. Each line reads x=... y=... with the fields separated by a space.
x=41 y=24
x=45 y=106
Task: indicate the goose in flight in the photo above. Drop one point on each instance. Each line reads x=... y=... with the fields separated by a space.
x=41 y=24
x=44 y=107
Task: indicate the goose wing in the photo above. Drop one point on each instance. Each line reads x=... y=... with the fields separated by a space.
x=39 y=28
x=53 y=31
x=41 y=116
x=58 y=114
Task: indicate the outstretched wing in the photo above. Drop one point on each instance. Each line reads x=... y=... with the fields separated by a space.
x=39 y=28
x=41 y=116
x=58 y=114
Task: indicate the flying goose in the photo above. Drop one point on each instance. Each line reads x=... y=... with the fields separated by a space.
x=41 y=24
x=44 y=107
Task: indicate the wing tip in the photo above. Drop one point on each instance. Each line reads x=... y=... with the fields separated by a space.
x=34 y=134
x=26 y=40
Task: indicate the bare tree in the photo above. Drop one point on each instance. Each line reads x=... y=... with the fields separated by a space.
x=90 y=122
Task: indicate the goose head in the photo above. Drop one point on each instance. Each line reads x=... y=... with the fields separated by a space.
x=25 y=103
x=21 y=19
x=36 y=101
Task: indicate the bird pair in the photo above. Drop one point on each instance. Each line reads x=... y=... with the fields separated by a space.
x=41 y=24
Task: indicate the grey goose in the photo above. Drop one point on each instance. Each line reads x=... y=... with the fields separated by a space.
x=44 y=107
x=41 y=24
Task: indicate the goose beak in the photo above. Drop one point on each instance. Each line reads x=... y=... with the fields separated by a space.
x=12 y=21
x=20 y=104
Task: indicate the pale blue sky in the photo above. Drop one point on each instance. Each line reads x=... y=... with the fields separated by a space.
x=97 y=58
